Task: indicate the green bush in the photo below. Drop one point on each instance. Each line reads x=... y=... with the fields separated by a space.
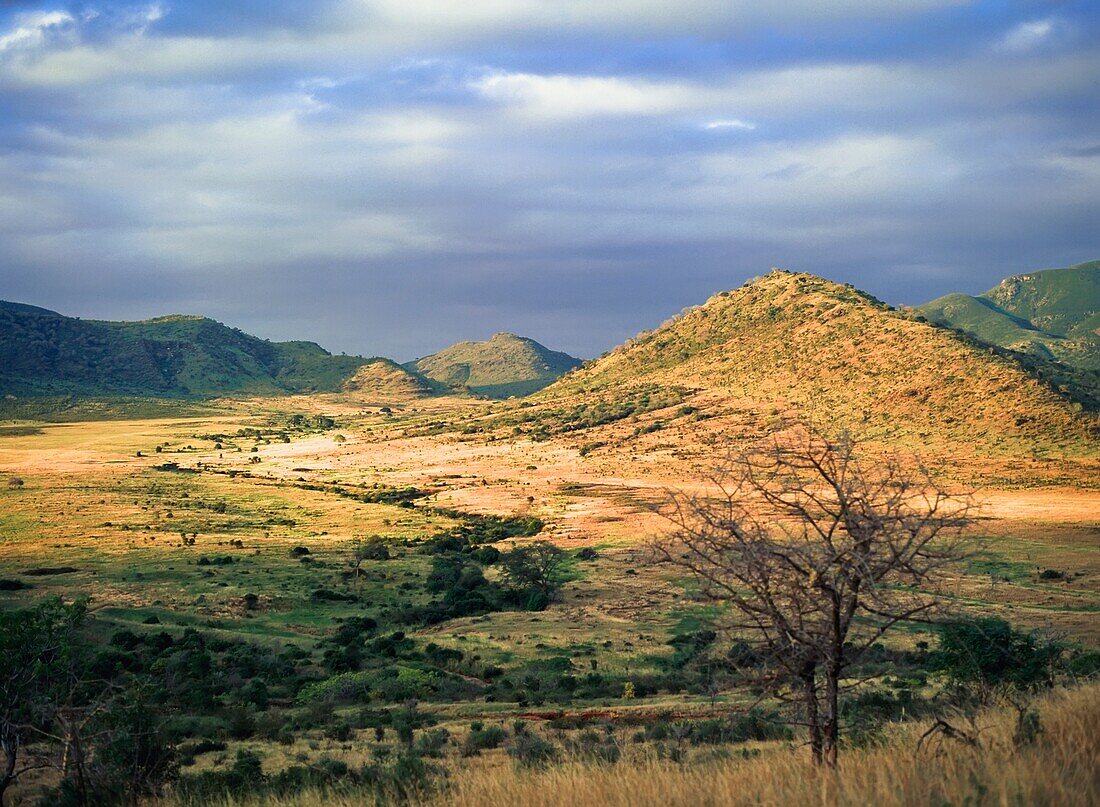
x=480 y=739
x=989 y=654
x=528 y=750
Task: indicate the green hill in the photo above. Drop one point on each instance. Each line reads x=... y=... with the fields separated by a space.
x=1052 y=315
x=1063 y=302
x=45 y=353
x=500 y=367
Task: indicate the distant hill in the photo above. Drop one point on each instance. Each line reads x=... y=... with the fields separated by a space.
x=500 y=367
x=45 y=353
x=795 y=342
x=386 y=380
x=1053 y=314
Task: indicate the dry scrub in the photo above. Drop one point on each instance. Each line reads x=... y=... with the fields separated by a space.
x=1061 y=768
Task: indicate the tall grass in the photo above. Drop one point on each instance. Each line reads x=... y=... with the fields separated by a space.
x=1061 y=767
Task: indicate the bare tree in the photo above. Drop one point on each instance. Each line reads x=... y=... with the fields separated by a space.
x=819 y=550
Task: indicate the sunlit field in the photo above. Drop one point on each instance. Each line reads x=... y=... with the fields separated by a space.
x=240 y=526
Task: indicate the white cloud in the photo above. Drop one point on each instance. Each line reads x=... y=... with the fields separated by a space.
x=30 y=29
x=1028 y=35
x=377 y=32
x=183 y=154
x=729 y=123
x=565 y=97
x=698 y=17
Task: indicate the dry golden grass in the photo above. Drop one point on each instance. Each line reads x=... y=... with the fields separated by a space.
x=1061 y=768
x=795 y=343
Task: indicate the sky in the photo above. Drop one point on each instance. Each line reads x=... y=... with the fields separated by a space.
x=387 y=177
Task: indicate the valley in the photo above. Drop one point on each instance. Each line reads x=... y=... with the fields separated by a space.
x=336 y=563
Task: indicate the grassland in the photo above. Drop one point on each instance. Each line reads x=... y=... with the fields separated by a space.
x=1061 y=768
x=217 y=544
x=236 y=524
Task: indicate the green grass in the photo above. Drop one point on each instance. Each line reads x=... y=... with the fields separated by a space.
x=103 y=519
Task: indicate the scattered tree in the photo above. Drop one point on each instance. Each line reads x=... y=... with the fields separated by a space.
x=36 y=646
x=537 y=567
x=371 y=548
x=819 y=549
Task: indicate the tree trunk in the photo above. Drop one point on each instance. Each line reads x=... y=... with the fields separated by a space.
x=813 y=713
x=10 y=744
x=832 y=714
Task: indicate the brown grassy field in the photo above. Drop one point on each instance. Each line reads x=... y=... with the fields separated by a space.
x=1061 y=768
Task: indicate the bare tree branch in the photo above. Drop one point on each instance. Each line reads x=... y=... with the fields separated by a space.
x=820 y=549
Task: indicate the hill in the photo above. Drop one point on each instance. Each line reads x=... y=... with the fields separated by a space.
x=795 y=342
x=45 y=353
x=500 y=367
x=1053 y=315
x=386 y=380
x=1064 y=302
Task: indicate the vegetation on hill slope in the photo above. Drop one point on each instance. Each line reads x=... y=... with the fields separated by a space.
x=500 y=367
x=45 y=353
x=796 y=341
x=1065 y=302
x=1053 y=315
x=385 y=379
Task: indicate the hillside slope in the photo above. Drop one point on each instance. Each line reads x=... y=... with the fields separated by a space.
x=386 y=380
x=1053 y=314
x=500 y=367
x=45 y=353
x=1064 y=302
x=795 y=342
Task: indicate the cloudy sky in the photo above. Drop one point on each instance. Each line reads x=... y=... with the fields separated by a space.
x=390 y=176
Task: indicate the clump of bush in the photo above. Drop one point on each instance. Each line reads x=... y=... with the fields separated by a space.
x=482 y=738
x=528 y=750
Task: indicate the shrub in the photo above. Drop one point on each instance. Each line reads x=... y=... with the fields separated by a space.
x=341 y=732
x=241 y=724
x=430 y=743
x=528 y=750
x=372 y=548
x=988 y=654
x=753 y=725
x=480 y=739
x=593 y=746
x=533 y=568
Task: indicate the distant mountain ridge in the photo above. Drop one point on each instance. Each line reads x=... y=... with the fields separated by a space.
x=499 y=367
x=46 y=353
x=1053 y=314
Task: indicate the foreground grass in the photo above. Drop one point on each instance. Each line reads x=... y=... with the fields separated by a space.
x=1062 y=767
